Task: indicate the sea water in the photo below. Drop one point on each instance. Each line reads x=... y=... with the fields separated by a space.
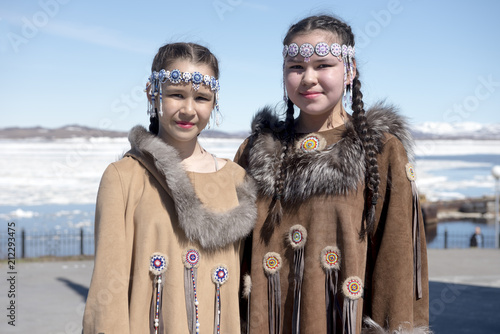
x=52 y=184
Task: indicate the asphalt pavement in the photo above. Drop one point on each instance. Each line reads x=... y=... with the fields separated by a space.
x=50 y=296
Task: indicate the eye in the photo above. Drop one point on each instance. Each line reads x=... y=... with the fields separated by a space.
x=176 y=95
x=325 y=66
x=203 y=99
x=295 y=67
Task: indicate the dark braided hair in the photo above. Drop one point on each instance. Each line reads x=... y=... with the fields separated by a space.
x=169 y=53
x=372 y=178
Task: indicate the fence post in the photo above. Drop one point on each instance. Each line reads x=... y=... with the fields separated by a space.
x=81 y=240
x=23 y=241
x=445 y=238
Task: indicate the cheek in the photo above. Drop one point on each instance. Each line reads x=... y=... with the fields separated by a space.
x=292 y=81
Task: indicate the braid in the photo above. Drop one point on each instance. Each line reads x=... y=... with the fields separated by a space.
x=275 y=208
x=372 y=177
x=154 y=125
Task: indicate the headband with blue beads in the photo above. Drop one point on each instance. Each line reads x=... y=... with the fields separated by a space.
x=156 y=80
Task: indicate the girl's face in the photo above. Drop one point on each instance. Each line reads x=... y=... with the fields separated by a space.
x=186 y=111
x=317 y=86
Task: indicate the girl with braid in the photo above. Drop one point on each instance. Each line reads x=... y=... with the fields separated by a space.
x=339 y=243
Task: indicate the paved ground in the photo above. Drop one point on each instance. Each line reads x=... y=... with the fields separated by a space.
x=50 y=296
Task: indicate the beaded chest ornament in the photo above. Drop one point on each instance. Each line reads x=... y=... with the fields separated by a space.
x=191 y=259
x=157 y=79
x=157 y=266
x=353 y=290
x=272 y=265
x=219 y=277
x=344 y=53
x=417 y=260
x=330 y=262
x=297 y=238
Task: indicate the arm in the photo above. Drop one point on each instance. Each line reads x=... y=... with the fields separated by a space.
x=106 y=310
x=390 y=271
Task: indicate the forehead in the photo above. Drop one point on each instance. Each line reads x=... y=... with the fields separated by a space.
x=314 y=37
x=185 y=65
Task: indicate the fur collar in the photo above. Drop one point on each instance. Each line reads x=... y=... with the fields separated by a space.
x=211 y=230
x=336 y=170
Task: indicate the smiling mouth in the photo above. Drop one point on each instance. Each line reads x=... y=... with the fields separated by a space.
x=310 y=95
x=185 y=125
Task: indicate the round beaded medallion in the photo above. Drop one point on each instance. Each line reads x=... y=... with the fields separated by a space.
x=330 y=258
x=310 y=143
x=306 y=50
x=322 y=49
x=336 y=50
x=220 y=275
x=158 y=264
x=297 y=236
x=410 y=172
x=175 y=76
x=353 y=288
x=272 y=263
x=191 y=258
x=293 y=50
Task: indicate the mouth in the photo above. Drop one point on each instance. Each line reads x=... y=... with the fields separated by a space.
x=310 y=95
x=185 y=125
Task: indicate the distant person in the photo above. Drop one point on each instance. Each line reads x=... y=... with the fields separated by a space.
x=477 y=239
x=339 y=234
x=170 y=216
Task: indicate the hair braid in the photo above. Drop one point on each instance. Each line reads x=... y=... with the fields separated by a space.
x=372 y=177
x=275 y=208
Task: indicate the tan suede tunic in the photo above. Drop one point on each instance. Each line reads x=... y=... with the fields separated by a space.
x=136 y=217
x=386 y=267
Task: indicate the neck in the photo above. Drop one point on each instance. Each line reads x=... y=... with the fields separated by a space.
x=314 y=123
x=186 y=149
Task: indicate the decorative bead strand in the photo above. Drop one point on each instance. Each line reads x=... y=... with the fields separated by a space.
x=196 y=303
x=157 y=314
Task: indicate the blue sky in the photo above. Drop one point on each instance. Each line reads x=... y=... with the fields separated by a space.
x=86 y=62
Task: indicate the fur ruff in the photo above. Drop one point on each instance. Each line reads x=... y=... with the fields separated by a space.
x=212 y=230
x=373 y=328
x=336 y=170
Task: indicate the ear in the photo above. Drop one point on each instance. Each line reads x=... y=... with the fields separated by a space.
x=353 y=70
x=148 y=92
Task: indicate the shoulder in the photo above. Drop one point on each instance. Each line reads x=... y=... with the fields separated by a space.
x=234 y=171
x=390 y=129
x=123 y=171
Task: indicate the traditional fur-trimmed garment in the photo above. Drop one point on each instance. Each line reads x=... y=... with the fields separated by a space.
x=148 y=204
x=339 y=278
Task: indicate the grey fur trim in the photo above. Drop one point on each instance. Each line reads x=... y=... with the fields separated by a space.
x=247 y=286
x=373 y=328
x=336 y=170
x=211 y=230
x=383 y=118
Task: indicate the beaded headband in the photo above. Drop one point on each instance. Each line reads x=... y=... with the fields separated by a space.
x=344 y=53
x=176 y=77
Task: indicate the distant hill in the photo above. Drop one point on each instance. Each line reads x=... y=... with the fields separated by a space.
x=78 y=131
x=428 y=130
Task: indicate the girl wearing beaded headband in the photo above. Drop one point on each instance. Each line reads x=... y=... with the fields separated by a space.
x=170 y=217
x=343 y=179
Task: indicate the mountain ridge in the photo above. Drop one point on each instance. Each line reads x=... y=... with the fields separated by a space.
x=422 y=131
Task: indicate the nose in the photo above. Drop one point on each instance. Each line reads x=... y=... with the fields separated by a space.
x=189 y=107
x=309 y=77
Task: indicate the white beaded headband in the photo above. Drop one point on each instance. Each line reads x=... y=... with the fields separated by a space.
x=344 y=53
x=176 y=77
